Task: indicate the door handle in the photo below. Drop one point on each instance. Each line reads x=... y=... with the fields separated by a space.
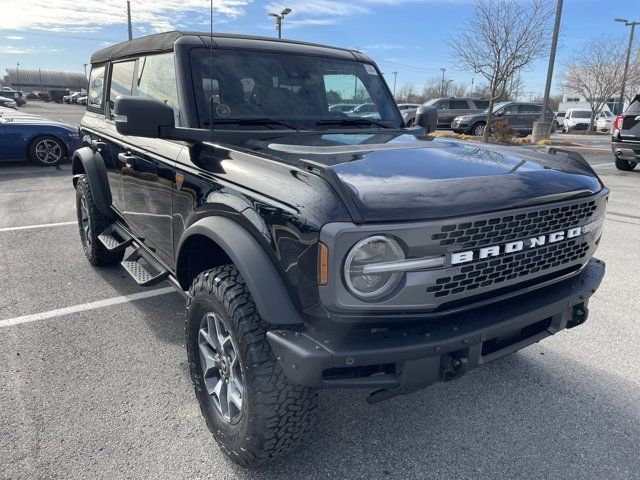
x=127 y=158
x=97 y=144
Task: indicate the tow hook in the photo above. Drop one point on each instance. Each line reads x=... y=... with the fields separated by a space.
x=580 y=314
x=453 y=367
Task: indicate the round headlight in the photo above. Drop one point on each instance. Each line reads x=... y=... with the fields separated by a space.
x=376 y=249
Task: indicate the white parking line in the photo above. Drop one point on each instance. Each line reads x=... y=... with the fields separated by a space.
x=84 y=307
x=602 y=165
x=41 y=225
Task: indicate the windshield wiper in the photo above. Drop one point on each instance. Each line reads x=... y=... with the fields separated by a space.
x=256 y=121
x=353 y=121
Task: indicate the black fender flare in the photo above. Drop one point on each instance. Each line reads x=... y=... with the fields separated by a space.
x=96 y=173
x=267 y=288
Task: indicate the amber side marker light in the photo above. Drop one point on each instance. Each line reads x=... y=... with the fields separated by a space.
x=323 y=264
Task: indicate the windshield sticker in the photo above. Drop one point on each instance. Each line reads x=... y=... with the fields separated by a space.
x=370 y=69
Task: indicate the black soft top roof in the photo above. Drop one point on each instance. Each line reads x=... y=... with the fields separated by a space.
x=163 y=42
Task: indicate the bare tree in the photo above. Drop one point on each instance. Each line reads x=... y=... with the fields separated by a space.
x=595 y=73
x=433 y=89
x=501 y=38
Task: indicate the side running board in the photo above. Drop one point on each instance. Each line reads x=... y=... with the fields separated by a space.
x=144 y=268
x=114 y=238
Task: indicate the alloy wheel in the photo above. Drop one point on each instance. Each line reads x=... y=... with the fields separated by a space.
x=84 y=221
x=221 y=367
x=48 y=151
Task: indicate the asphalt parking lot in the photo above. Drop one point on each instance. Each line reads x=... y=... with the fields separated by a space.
x=102 y=390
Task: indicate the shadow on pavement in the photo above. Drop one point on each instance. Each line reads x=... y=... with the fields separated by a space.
x=526 y=416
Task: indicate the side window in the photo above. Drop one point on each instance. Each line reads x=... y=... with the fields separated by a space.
x=530 y=109
x=121 y=80
x=510 y=110
x=96 y=89
x=634 y=107
x=459 y=105
x=442 y=105
x=481 y=104
x=157 y=79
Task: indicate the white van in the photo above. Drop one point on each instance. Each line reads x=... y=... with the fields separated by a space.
x=576 y=119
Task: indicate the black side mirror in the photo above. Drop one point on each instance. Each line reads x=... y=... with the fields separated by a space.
x=143 y=117
x=427 y=117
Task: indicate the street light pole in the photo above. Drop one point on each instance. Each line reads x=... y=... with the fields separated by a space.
x=627 y=23
x=279 y=17
x=18 y=74
x=552 y=61
x=442 y=82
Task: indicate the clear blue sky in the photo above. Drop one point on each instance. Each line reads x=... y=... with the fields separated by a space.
x=407 y=36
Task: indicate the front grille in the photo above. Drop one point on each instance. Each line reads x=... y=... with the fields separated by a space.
x=486 y=273
x=501 y=229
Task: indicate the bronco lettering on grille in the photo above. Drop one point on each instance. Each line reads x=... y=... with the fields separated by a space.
x=517 y=246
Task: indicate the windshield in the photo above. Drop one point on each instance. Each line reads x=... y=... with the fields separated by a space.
x=243 y=87
x=580 y=114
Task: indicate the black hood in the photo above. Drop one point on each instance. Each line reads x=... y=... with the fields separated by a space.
x=396 y=176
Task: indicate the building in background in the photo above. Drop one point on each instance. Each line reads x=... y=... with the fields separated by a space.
x=37 y=80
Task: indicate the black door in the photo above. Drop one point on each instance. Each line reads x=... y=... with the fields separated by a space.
x=147 y=185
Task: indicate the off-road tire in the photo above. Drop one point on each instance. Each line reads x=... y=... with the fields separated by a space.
x=94 y=250
x=625 y=165
x=276 y=415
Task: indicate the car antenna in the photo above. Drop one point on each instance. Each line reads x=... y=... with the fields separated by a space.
x=210 y=64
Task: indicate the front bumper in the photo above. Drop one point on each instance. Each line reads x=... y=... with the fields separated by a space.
x=404 y=360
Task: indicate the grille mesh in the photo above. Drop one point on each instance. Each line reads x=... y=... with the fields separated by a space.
x=492 y=272
x=512 y=227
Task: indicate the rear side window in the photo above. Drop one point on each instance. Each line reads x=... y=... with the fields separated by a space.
x=459 y=105
x=157 y=79
x=634 y=107
x=121 y=80
x=481 y=104
x=528 y=109
x=95 y=96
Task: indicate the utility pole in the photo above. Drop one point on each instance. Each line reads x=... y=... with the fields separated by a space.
x=18 y=75
x=395 y=78
x=442 y=82
x=627 y=23
x=552 y=60
x=86 y=80
x=128 y=20
x=279 y=17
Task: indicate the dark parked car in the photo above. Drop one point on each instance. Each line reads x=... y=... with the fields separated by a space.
x=58 y=95
x=625 y=141
x=448 y=109
x=519 y=116
x=30 y=137
x=315 y=249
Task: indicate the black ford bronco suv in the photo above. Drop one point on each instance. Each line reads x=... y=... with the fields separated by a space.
x=317 y=248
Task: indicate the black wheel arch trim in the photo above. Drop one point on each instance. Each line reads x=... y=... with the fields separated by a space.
x=270 y=294
x=92 y=165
